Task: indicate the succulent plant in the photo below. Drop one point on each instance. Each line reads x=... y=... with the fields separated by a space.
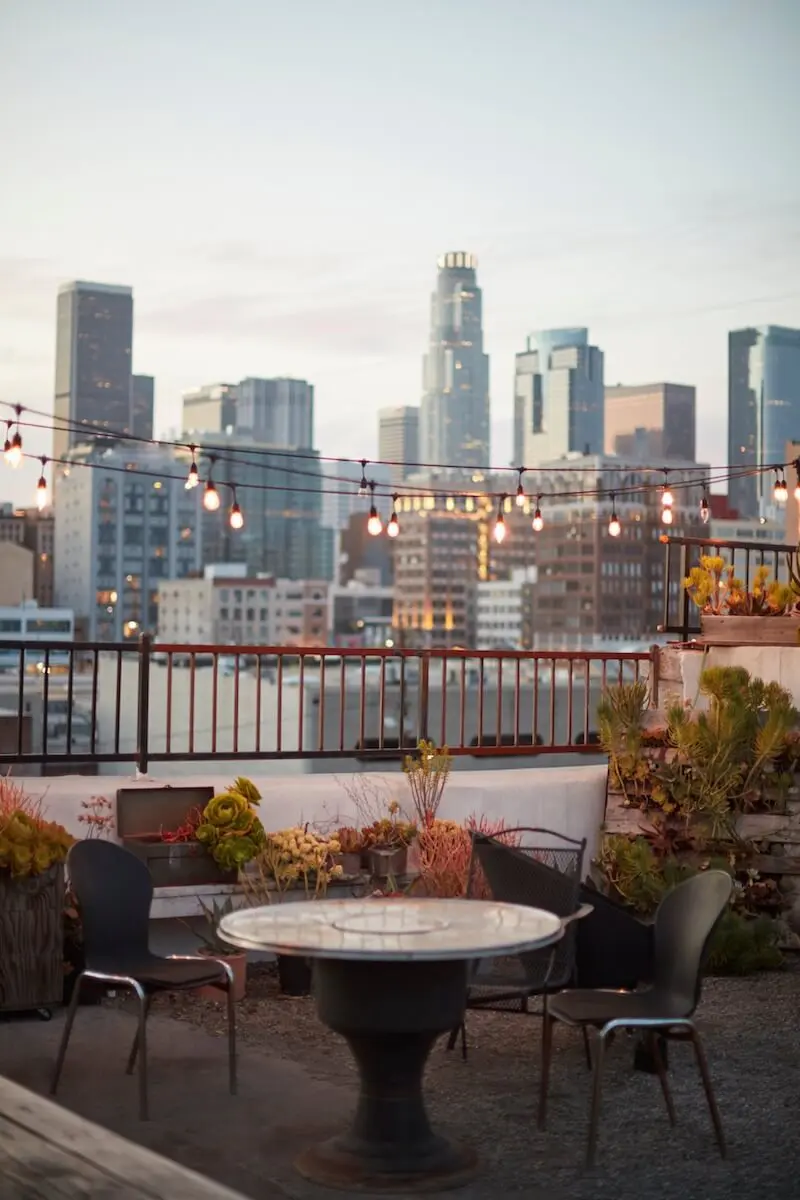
x=30 y=845
x=230 y=829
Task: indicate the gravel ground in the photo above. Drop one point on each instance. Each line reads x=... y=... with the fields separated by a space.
x=751 y=1031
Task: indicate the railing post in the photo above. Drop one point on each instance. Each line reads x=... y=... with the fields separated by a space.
x=685 y=601
x=424 y=694
x=143 y=707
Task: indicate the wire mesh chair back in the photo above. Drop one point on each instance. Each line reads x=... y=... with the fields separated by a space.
x=517 y=868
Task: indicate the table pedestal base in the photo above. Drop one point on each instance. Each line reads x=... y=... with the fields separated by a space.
x=391 y=1015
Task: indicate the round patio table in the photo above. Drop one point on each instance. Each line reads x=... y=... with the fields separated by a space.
x=390 y=976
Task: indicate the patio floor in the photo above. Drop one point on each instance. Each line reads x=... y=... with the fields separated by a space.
x=297 y=1086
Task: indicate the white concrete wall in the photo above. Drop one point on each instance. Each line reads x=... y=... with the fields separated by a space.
x=569 y=800
x=779 y=664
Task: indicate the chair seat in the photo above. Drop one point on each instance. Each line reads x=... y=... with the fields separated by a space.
x=157 y=974
x=596 y=1007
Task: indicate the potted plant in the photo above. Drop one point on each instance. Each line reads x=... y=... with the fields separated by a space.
x=351 y=850
x=300 y=862
x=230 y=828
x=730 y=614
x=427 y=772
x=215 y=946
x=32 y=855
x=387 y=841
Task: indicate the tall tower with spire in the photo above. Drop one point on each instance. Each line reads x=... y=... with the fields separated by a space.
x=454 y=415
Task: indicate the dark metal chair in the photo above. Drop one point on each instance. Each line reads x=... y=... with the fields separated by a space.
x=685 y=921
x=114 y=892
x=516 y=868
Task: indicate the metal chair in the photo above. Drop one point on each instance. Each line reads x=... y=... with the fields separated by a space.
x=512 y=868
x=684 y=923
x=114 y=892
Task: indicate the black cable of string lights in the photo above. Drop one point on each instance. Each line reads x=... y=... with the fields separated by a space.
x=705 y=479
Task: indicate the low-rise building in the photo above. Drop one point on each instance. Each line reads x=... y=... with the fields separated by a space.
x=234 y=609
x=34 y=529
x=360 y=614
x=499 y=611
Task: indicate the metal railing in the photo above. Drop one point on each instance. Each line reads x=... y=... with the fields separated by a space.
x=681 y=615
x=144 y=703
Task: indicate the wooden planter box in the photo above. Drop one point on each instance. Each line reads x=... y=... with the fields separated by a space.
x=32 y=940
x=750 y=631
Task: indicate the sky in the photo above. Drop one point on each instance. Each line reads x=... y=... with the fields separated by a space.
x=276 y=181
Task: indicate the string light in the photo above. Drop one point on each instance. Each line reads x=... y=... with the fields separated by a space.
x=705 y=511
x=500 y=523
x=796 y=466
x=235 y=516
x=374 y=523
x=666 y=516
x=781 y=489
x=538 y=521
x=42 y=494
x=667 y=499
x=193 y=478
x=520 y=489
x=393 y=526
x=614 y=527
x=363 y=485
x=7 y=446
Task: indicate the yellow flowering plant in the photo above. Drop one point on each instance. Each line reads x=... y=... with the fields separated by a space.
x=293 y=858
x=716 y=591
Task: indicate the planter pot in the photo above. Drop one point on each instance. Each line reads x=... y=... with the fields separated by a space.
x=750 y=631
x=32 y=940
x=350 y=864
x=176 y=864
x=294 y=975
x=388 y=860
x=237 y=961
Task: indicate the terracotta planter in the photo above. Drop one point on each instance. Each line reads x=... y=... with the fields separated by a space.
x=750 y=631
x=238 y=964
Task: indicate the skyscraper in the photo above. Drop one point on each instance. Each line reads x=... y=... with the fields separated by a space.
x=652 y=421
x=454 y=415
x=398 y=439
x=142 y=405
x=763 y=410
x=558 y=397
x=211 y=408
x=94 y=336
x=278 y=412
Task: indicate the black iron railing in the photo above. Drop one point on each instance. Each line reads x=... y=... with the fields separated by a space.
x=681 y=616
x=144 y=703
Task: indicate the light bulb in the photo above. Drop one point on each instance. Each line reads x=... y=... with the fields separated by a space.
x=236 y=517
x=363 y=485
x=781 y=491
x=520 y=496
x=374 y=524
x=614 y=527
x=667 y=499
x=500 y=529
x=666 y=516
x=193 y=478
x=41 y=493
x=14 y=452
x=210 y=497
x=393 y=527
x=538 y=521
x=705 y=511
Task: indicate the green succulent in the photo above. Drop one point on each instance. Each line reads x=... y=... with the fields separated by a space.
x=230 y=828
x=30 y=846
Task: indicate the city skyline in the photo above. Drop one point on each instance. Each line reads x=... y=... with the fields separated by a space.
x=638 y=221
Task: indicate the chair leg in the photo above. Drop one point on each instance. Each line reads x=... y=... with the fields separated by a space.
x=65 y=1036
x=663 y=1078
x=587 y=1047
x=597 y=1086
x=141 y=1044
x=547 y=1050
x=453 y=1038
x=135 y=1047
x=231 y=1034
x=702 y=1064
